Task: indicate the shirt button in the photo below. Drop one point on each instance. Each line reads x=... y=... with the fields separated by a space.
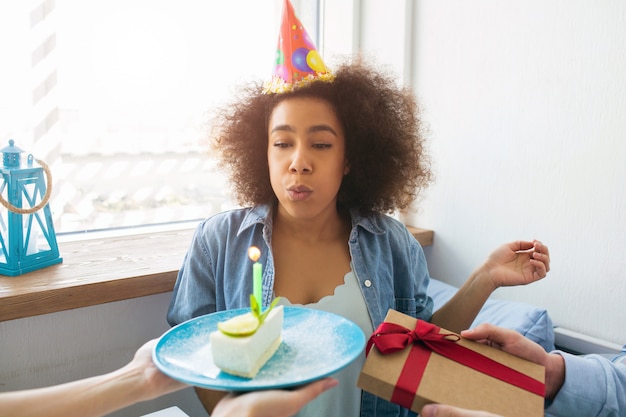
x=368 y=283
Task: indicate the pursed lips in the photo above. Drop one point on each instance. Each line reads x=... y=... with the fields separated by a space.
x=299 y=192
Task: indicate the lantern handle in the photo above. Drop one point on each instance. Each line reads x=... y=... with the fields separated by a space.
x=43 y=201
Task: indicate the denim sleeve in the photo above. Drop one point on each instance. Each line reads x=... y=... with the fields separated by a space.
x=194 y=291
x=593 y=387
x=416 y=279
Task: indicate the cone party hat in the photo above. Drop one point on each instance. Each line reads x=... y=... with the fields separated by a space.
x=298 y=62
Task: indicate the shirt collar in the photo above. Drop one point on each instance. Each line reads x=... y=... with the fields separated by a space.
x=369 y=223
x=258 y=214
x=263 y=214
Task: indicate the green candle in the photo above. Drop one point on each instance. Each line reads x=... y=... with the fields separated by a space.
x=257 y=274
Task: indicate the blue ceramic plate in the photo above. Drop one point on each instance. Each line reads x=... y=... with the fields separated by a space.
x=315 y=344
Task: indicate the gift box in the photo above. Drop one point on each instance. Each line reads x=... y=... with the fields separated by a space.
x=411 y=362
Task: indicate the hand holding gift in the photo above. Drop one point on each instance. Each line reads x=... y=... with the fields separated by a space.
x=412 y=363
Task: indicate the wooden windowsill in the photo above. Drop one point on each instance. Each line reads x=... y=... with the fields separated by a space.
x=99 y=271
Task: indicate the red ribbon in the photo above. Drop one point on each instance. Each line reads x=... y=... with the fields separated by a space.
x=424 y=339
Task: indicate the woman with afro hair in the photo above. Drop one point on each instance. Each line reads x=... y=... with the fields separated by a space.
x=317 y=170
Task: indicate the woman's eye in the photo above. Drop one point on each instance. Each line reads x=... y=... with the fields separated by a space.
x=322 y=145
x=281 y=144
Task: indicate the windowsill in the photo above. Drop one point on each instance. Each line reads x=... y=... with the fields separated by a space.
x=99 y=271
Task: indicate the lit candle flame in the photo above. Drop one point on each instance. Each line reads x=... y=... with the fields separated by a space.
x=254 y=253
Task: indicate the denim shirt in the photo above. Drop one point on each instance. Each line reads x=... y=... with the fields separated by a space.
x=216 y=275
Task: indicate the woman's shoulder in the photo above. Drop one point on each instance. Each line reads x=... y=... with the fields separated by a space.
x=221 y=222
x=385 y=223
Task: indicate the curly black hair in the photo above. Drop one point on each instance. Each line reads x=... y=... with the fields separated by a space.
x=383 y=133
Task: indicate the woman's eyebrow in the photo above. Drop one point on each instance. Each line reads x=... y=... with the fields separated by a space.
x=282 y=128
x=322 y=128
x=312 y=129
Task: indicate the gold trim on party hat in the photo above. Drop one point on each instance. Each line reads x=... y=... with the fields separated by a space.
x=298 y=63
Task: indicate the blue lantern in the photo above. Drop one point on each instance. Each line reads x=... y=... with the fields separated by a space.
x=27 y=238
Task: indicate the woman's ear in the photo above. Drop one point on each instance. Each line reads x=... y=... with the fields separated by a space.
x=346 y=169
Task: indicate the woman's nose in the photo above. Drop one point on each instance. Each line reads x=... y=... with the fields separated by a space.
x=300 y=163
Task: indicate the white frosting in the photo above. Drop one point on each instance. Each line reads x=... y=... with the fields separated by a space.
x=244 y=356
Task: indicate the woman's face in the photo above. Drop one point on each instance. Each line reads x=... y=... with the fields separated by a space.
x=306 y=156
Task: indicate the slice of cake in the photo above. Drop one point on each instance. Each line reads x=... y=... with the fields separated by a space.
x=243 y=344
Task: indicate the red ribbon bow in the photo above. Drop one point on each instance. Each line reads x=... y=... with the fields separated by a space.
x=424 y=339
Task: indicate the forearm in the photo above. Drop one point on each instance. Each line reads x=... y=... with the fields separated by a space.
x=93 y=397
x=461 y=310
x=555 y=374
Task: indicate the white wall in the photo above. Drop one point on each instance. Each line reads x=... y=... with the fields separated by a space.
x=525 y=106
x=68 y=345
x=525 y=103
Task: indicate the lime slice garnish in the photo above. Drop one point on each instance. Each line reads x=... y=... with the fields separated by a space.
x=239 y=326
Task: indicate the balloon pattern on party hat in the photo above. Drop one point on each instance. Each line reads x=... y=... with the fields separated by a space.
x=298 y=63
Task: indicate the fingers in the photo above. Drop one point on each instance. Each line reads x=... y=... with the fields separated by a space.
x=314 y=389
x=522 y=246
x=540 y=269
x=507 y=340
x=488 y=332
x=440 y=410
x=541 y=254
x=274 y=403
x=296 y=399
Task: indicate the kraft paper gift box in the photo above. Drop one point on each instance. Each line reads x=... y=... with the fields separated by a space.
x=465 y=373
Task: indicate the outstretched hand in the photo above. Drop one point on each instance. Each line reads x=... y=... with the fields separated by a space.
x=507 y=340
x=271 y=403
x=441 y=410
x=516 y=344
x=154 y=383
x=515 y=263
x=518 y=263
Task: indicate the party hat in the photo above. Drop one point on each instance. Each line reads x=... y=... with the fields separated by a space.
x=298 y=62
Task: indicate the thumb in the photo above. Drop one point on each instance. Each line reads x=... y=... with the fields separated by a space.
x=441 y=410
x=429 y=410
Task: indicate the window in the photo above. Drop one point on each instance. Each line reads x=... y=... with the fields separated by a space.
x=113 y=96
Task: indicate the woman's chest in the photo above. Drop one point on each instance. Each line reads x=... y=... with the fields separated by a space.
x=305 y=273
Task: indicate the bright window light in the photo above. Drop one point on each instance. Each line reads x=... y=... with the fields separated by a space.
x=113 y=96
